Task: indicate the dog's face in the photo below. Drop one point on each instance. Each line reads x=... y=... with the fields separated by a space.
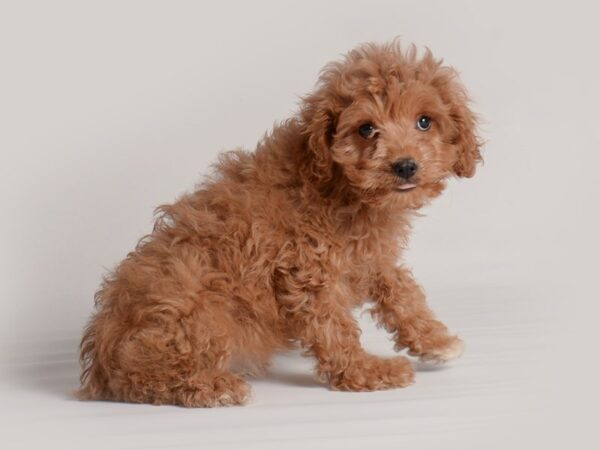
x=395 y=126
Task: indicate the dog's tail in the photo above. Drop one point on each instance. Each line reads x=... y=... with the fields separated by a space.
x=93 y=379
x=96 y=351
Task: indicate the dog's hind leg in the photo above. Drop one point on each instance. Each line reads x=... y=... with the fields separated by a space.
x=171 y=360
x=202 y=389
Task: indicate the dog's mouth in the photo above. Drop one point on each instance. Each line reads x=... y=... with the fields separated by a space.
x=406 y=187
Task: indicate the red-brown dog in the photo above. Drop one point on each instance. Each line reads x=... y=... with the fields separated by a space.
x=284 y=242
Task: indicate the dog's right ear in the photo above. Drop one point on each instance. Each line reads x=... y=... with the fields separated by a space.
x=318 y=118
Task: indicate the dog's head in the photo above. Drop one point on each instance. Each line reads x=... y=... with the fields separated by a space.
x=390 y=124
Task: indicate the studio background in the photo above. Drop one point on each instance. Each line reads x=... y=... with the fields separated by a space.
x=109 y=109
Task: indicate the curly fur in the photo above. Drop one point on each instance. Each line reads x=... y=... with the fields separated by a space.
x=282 y=243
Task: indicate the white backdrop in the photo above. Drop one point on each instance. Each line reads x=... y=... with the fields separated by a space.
x=108 y=109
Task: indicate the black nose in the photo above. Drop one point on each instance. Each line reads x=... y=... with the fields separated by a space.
x=405 y=168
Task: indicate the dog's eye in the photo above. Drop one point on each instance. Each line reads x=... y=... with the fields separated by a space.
x=366 y=130
x=424 y=123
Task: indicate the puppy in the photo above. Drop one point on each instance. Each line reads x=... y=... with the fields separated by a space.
x=280 y=245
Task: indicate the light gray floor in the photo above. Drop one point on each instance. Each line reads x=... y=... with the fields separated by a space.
x=503 y=391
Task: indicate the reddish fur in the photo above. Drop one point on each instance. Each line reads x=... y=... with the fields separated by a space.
x=282 y=243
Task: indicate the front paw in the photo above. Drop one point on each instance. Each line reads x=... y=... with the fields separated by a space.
x=439 y=349
x=371 y=373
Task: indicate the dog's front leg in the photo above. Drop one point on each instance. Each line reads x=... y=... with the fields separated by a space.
x=401 y=308
x=327 y=330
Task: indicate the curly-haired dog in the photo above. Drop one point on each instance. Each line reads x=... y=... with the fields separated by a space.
x=282 y=243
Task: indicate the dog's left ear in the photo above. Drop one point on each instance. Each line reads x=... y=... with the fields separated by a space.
x=464 y=122
x=466 y=139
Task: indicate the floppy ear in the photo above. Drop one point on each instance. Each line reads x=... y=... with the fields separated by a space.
x=318 y=121
x=466 y=139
